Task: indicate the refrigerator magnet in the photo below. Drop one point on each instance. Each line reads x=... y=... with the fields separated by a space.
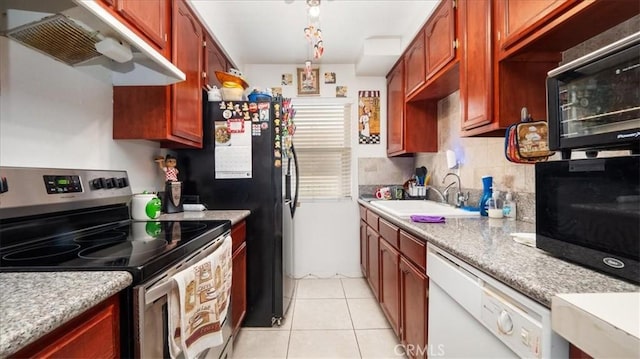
x=235 y=125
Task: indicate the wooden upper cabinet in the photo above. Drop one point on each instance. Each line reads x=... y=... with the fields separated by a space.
x=170 y=114
x=395 y=109
x=187 y=56
x=519 y=18
x=149 y=19
x=476 y=67
x=414 y=64
x=439 y=37
x=214 y=60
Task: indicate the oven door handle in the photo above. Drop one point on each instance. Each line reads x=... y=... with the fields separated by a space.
x=164 y=285
x=159 y=290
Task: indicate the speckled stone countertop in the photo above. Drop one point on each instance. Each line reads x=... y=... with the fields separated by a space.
x=485 y=244
x=33 y=304
x=234 y=216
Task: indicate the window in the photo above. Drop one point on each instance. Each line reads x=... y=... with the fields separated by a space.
x=323 y=145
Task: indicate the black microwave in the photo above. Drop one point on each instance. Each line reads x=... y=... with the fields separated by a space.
x=594 y=102
x=588 y=211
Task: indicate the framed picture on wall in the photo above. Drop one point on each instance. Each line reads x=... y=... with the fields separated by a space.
x=308 y=83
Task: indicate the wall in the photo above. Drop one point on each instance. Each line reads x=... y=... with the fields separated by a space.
x=327 y=232
x=52 y=115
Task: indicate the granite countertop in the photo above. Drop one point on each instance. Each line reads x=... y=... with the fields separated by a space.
x=35 y=303
x=486 y=244
x=234 y=216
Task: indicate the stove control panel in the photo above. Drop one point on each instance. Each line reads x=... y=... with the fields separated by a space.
x=35 y=190
x=110 y=182
x=62 y=184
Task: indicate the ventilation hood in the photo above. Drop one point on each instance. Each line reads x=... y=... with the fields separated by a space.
x=68 y=30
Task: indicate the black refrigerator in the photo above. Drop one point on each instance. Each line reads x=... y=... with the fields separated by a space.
x=248 y=162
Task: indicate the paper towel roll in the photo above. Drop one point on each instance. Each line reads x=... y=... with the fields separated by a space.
x=451 y=159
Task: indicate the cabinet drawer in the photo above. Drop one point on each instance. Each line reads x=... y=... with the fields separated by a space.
x=414 y=249
x=389 y=232
x=372 y=220
x=363 y=213
x=238 y=235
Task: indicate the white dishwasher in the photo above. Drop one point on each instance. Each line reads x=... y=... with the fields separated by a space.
x=471 y=315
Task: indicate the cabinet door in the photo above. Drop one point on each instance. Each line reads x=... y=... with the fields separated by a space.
x=364 y=249
x=239 y=287
x=150 y=17
x=414 y=64
x=395 y=109
x=94 y=334
x=373 y=242
x=214 y=61
x=414 y=285
x=390 y=285
x=475 y=64
x=187 y=55
x=440 y=37
x=520 y=18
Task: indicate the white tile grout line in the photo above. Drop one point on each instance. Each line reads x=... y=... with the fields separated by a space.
x=351 y=319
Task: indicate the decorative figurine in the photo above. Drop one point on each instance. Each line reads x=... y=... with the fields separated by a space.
x=168 y=165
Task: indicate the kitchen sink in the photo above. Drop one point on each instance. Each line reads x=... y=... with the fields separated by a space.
x=406 y=208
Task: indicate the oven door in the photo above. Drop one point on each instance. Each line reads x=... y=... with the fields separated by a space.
x=588 y=211
x=151 y=312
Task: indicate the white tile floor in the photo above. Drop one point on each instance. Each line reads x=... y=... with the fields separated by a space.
x=329 y=318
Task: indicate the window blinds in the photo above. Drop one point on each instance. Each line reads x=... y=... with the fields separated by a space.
x=323 y=144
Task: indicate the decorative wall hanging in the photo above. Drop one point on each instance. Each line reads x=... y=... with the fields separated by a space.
x=369 y=117
x=341 y=91
x=308 y=82
x=312 y=32
x=329 y=77
x=287 y=79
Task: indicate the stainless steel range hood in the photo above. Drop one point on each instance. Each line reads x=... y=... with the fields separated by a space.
x=67 y=31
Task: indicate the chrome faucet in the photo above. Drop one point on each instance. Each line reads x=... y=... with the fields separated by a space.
x=461 y=198
x=440 y=194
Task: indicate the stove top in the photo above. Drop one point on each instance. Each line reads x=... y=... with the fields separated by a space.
x=142 y=248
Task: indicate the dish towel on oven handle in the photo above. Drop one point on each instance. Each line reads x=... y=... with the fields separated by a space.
x=199 y=302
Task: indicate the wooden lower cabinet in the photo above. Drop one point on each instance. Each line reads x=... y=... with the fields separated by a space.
x=239 y=287
x=373 y=255
x=396 y=272
x=364 y=249
x=94 y=334
x=576 y=353
x=390 y=284
x=414 y=289
x=239 y=276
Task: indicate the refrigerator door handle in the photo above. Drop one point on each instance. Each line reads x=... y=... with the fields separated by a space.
x=294 y=204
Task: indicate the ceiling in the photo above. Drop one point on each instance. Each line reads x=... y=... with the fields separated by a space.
x=371 y=34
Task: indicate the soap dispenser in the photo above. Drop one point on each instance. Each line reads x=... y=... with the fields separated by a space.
x=509 y=207
x=487 y=184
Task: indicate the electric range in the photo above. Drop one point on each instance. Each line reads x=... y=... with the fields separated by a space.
x=79 y=220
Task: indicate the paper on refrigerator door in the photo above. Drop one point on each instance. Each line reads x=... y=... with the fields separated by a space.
x=232 y=151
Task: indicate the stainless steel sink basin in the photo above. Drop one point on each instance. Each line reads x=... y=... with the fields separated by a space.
x=406 y=208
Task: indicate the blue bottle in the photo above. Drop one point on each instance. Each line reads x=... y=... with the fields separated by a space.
x=487 y=185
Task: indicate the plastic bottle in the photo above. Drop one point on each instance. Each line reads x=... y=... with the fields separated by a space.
x=509 y=207
x=487 y=184
x=494 y=205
